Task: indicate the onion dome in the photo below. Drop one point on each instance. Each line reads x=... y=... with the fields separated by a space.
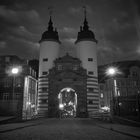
x=50 y=34
x=85 y=33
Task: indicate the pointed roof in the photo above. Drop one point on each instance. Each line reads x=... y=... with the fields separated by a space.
x=50 y=24
x=85 y=33
x=50 y=34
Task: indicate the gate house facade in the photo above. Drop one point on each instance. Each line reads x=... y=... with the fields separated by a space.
x=61 y=78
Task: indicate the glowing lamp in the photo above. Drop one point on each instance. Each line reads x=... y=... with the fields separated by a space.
x=112 y=71
x=68 y=89
x=61 y=106
x=15 y=70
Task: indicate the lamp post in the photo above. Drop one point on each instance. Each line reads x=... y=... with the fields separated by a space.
x=61 y=106
x=14 y=71
x=112 y=71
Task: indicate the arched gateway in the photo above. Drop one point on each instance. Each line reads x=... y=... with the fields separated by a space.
x=67 y=88
x=67 y=103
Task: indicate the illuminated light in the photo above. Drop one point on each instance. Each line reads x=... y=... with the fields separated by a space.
x=59 y=96
x=28 y=103
x=70 y=103
x=61 y=106
x=111 y=71
x=102 y=95
x=68 y=89
x=120 y=104
x=15 y=70
x=33 y=105
x=105 y=108
x=118 y=93
x=115 y=87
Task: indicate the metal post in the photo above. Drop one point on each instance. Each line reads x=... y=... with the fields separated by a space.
x=13 y=96
x=13 y=90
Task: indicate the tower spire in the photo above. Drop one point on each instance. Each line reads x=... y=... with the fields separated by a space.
x=85 y=27
x=85 y=32
x=85 y=11
x=50 y=9
x=50 y=24
x=51 y=33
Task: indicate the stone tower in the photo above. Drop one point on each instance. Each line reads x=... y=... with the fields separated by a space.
x=86 y=49
x=49 y=51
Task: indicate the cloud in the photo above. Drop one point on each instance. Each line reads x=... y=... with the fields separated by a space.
x=23 y=32
x=70 y=40
x=68 y=30
x=2 y=44
x=28 y=18
x=80 y=10
x=8 y=15
x=19 y=32
x=22 y=47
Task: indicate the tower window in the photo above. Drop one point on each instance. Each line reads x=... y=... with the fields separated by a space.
x=44 y=73
x=90 y=59
x=44 y=89
x=45 y=59
x=90 y=102
x=91 y=72
x=44 y=101
x=90 y=89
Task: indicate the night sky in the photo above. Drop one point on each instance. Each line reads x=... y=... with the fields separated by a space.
x=116 y=24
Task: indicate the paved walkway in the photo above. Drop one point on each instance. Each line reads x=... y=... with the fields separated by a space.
x=123 y=129
x=4 y=118
x=75 y=126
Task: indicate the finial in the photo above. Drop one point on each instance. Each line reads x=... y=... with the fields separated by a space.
x=50 y=27
x=50 y=9
x=85 y=11
x=85 y=27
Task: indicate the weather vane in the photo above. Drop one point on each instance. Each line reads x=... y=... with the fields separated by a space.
x=50 y=9
x=85 y=11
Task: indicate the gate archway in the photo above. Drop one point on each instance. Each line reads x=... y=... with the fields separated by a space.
x=67 y=102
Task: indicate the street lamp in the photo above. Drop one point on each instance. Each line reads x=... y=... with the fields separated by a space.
x=112 y=72
x=14 y=72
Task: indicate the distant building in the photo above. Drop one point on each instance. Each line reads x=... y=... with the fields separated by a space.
x=123 y=89
x=34 y=64
x=18 y=92
x=67 y=76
